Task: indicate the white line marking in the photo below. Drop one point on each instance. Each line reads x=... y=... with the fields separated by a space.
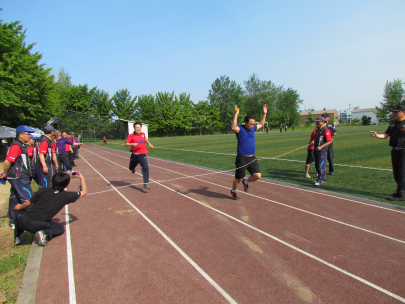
x=262 y=181
x=194 y=264
x=71 y=276
x=399 y=298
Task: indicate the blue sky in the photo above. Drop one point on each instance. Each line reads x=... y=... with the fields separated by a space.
x=334 y=53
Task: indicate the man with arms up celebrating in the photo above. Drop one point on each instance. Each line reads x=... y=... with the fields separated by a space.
x=245 y=158
x=396 y=132
x=137 y=141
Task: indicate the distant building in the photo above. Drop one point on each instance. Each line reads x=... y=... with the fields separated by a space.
x=333 y=114
x=369 y=112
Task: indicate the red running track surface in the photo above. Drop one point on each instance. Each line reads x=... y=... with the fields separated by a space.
x=186 y=241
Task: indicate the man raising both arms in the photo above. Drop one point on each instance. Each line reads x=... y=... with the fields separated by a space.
x=137 y=141
x=245 y=158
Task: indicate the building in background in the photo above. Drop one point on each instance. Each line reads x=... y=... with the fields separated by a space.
x=369 y=112
x=333 y=114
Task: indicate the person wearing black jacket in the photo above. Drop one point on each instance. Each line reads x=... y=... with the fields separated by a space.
x=396 y=132
x=332 y=129
x=44 y=205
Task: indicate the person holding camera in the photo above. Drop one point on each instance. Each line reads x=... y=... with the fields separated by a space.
x=45 y=204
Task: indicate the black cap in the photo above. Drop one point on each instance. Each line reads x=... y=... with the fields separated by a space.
x=325 y=115
x=49 y=128
x=321 y=118
x=398 y=108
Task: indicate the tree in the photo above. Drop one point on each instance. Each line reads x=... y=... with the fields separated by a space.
x=310 y=119
x=63 y=87
x=207 y=117
x=80 y=99
x=27 y=89
x=225 y=94
x=356 y=121
x=257 y=93
x=288 y=101
x=102 y=103
x=393 y=96
x=124 y=106
x=365 y=121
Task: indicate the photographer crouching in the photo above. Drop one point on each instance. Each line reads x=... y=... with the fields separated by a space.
x=44 y=205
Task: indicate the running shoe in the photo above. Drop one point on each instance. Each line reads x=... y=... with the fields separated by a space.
x=234 y=196
x=133 y=171
x=17 y=241
x=307 y=175
x=41 y=237
x=318 y=183
x=146 y=186
x=12 y=226
x=245 y=185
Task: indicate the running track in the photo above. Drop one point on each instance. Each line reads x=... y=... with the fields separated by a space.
x=186 y=241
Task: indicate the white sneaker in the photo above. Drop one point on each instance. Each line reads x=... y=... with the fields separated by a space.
x=41 y=237
x=12 y=226
x=318 y=183
x=17 y=241
x=307 y=175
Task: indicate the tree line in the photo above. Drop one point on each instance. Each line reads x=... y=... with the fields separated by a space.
x=30 y=94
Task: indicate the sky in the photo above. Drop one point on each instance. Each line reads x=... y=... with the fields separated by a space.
x=335 y=54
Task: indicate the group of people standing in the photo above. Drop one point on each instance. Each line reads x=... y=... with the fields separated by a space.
x=47 y=161
x=286 y=127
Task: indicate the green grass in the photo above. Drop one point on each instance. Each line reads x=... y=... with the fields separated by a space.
x=353 y=146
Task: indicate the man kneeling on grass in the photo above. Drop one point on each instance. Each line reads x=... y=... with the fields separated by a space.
x=45 y=204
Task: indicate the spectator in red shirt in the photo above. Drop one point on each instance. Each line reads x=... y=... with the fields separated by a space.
x=45 y=157
x=310 y=156
x=105 y=140
x=16 y=169
x=137 y=141
x=323 y=138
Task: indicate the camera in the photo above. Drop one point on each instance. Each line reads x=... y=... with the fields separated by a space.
x=75 y=173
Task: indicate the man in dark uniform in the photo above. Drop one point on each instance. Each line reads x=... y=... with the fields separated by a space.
x=323 y=139
x=16 y=169
x=332 y=128
x=45 y=156
x=396 y=132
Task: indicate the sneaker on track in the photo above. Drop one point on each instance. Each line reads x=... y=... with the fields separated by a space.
x=41 y=237
x=234 y=196
x=146 y=186
x=245 y=185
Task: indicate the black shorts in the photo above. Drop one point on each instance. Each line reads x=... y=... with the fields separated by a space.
x=244 y=163
x=310 y=157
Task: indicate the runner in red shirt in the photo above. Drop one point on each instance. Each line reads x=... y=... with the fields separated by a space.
x=137 y=141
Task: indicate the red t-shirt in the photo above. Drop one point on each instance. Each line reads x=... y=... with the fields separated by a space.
x=30 y=151
x=104 y=138
x=135 y=138
x=69 y=147
x=311 y=146
x=53 y=145
x=13 y=153
x=43 y=147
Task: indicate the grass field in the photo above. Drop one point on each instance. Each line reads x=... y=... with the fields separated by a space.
x=362 y=163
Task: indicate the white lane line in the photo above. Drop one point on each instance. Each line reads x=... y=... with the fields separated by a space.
x=71 y=276
x=368 y=283
x=263 y=181
x=194 y=264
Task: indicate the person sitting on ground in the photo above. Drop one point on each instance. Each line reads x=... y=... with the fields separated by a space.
x=45 y=204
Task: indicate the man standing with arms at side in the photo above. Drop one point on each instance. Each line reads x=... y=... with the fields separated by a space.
x=45 y=156
x=396 y=132
x=16 y=169
x=137 y=141
x=245 y=158
x=323 y=139
x=332 y=129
